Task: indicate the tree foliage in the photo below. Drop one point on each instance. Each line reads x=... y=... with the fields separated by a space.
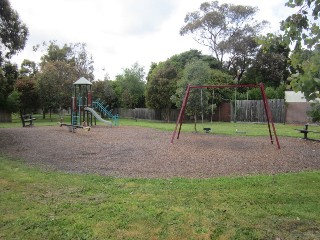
x=75 y=54
x=302 y=29
x=228 y=30
x=130 y=86
x=162 y=78
x=13 y=101
x=307 y=77
x=28 y=68
x=161 y=86
x=13 y=37
x=314 y=113
x=13 y=32
x=104 y=91
x=55 y=85
x=271 y=63
x=28 y=94
x=59 y=68
x=8 y=75
x=196 y=72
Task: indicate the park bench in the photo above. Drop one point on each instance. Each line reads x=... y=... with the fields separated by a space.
x=27 y=120
x=306 y=131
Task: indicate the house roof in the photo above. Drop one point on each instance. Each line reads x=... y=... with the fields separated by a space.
x=82 y=81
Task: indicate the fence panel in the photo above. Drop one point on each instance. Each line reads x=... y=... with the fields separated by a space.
x=246 y=111
x=253 y=110
x=5 y=116
x=149 y=114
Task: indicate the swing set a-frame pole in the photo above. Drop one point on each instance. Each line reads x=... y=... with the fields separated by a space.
x=269 y=115
x=181 y=114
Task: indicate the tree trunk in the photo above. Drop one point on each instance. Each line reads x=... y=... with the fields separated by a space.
x=195 y=122
x=43 y=113
x=21 y=117
x=165 y=113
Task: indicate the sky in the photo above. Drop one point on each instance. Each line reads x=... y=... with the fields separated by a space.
x=119 y=33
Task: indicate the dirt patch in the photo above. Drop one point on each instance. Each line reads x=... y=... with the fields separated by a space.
x=142 y=152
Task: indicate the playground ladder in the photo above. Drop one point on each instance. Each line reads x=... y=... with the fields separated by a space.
x=104 y=111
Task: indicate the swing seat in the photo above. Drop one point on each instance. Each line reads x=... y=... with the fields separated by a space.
x=208 y=130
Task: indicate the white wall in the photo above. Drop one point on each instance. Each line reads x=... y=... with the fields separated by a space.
x=292 y=96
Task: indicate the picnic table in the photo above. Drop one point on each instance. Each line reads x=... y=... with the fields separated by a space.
x=306 y=131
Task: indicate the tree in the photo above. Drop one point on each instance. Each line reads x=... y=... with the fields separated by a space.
x=28 y=68
x=13 y=101
x=59 y=68
x=180 y=60
x=13 y=32
x=162 y=77
x=228 y=30
x=302 y=30
x=8 y=75
x=82 y=61
x=271 y=64
x=307 y=77
x=54 y=83
x=13 y=37
x=244 y=49
x=218 y=77
x=74 y=54
x=195 y=73
x=28 y=94
x=103 y=90
x=131 y=86
x=161 y=86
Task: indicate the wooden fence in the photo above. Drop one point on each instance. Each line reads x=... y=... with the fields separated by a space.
x=149 y=114
x=247 y=111
x=253 y=110
x=5 y=116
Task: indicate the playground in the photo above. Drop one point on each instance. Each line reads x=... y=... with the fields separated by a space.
x=138 y=152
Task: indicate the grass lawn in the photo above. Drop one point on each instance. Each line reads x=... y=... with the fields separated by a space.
x=52 y=205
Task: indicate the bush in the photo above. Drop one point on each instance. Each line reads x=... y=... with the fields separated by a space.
x=314 y=113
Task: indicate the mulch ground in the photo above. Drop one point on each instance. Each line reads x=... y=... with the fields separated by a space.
x=147 y=153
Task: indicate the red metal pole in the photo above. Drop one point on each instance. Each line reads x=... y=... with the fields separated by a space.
x=227 y=86
x=264 y=99
x=181 y=114
x=269 y=115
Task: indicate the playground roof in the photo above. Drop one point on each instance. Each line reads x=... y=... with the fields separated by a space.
x=82 y=81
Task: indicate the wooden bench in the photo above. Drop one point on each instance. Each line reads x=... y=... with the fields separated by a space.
x=306 y=130
x=27 y=118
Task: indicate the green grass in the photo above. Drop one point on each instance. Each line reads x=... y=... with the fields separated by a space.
x=16 y=122
x=52 y=205
x=229 y=128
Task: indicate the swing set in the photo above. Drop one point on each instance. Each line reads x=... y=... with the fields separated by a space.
x=265 y=103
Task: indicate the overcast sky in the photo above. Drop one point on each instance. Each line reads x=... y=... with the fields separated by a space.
x=119 y=33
